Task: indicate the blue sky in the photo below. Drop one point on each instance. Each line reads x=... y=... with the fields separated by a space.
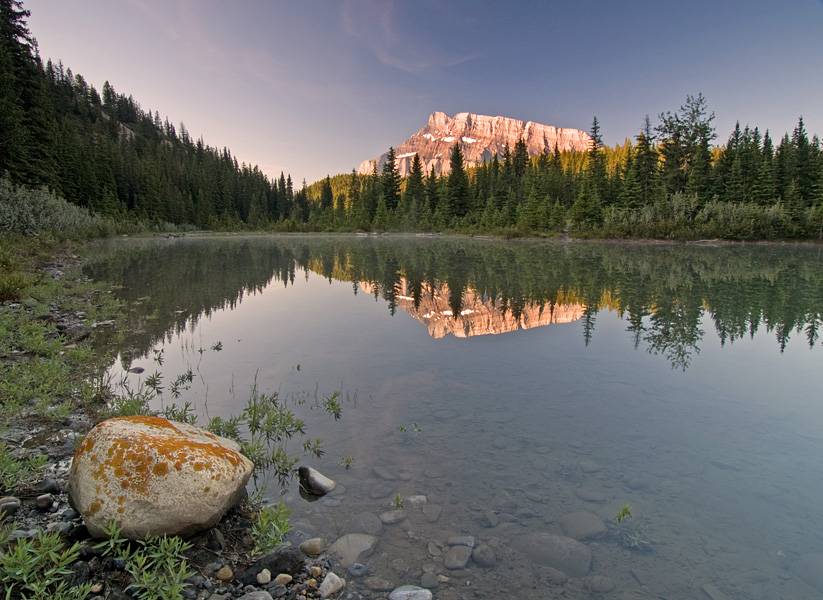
x=315 y=86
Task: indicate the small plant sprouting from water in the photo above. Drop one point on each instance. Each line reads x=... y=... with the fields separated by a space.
x=218 y=346
x=624 y=513
x=346 y=462
x=333 y=406
x=398 y=502
x=314 y=447
x=414 y=427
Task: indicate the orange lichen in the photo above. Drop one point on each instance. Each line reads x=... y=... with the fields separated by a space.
x=94 y=507
x=134 y=461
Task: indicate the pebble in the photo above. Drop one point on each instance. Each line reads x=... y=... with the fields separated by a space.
x=367 y=522
x=96 y=588
x=264 y=577
x=392 y=517
x=457 y=557
x=331 y=585
x=377 y=584
x=358 y=570
x=313 y=547
x=599 y=584
x=489 y=519
x=315 y=571
x=283 y=579
x=48 y=486
x=381 y=490
x=256 y=595
x=432 y=512
x=44 y=501
x=224 y=573
x=434 y=549
x=416 y=500
x=9 y=505
x=384 y=473
x=410 y=592
x=461 y=540
x=429 y=581
x=352 y=546
x=484 y=556
x=312 y=583
x=69 y=514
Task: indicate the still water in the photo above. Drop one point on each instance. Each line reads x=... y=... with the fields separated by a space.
x=514 y=384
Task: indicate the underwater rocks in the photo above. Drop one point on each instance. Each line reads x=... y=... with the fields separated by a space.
x=582 y=525
x=556 y=551
x=135 y=470
x=353 y=546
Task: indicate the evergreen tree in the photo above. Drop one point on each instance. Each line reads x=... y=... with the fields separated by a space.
x=457 y=193
x=415 y=195
x=390 y=182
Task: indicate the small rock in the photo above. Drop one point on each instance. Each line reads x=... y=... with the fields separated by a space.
x=384 y=473
x=432 y=512
x=461 y=540
x=69 y=514
x=63 y=528
x=358 y=570
x=224 y=573
x=489 y=519
x=484 y=556
x=315 y=571
x=416 y=500
x=434 y=549
x=429 y=581
x=9 y=505
x=264 y=577
x=381 y=490
x=377 y=584
x=48 y=486
x=392 y=517
x=367 y=522
x=331 y=585
x=44 y=501
x=96 y=588
x=582 y=525
x=351 y=547
x=313 y=482
x=313 y=547
x=589 y=466
x=457 y=557
x=311 y=583
x=256 y=595
x=599 y=584
x=283 y=579
x=591 y=496
x=556 y=551
x=216 y=540
x=410 y=592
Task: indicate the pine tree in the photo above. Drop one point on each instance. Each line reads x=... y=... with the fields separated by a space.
x=415 y=194
x=390 y=182
x=457 y=190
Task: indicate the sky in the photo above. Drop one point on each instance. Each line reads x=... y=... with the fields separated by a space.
x=314 y=87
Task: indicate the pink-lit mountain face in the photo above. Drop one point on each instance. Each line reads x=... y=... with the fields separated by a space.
x=481 y=137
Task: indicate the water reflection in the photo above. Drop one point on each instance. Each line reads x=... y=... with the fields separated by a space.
x=465 y=288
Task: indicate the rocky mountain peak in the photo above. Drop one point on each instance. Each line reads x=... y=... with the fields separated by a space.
x=481 y=137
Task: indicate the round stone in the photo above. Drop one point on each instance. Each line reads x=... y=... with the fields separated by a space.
x=264 y=577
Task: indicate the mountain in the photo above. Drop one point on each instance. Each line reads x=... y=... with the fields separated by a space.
x=480 y=136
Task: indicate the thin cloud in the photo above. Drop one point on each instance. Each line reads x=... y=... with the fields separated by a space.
x=374 y=24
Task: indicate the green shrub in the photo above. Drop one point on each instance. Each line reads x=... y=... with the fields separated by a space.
x=270 y=527
x=40 y=568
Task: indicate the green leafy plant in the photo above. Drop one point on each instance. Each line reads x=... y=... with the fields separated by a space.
x=624 y=513
x=398 y=502
x=40 y=568
x=270 y=527
x=346 y=462
x=159 y=569
x=16 y=473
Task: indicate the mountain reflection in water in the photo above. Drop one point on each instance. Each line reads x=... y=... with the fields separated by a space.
x=666 y=294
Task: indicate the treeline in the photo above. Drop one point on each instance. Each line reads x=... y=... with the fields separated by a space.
x=669 y=182
x=102 y=151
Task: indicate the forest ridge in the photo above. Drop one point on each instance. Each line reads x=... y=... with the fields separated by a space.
x=102 y=151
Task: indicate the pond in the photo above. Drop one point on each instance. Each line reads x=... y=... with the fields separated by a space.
x=527 y=389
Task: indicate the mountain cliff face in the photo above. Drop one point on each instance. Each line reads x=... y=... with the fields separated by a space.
x=480 y=137
x=478 y=315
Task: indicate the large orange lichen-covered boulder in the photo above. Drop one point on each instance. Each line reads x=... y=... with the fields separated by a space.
x=153 y=476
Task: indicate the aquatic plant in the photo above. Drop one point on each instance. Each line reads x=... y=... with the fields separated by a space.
x=624 y=513
x=270 y=527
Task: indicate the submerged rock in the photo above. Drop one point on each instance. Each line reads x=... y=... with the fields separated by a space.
x=313 y=546
x=410 y=592
x=352 y=546
x=331 y=585
x=288 y=561
x=582 y=525
x=135 y=471
x=556 y=551
x=484 y=556
x=457 y=557
x=390 y=517
x=314 y=483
